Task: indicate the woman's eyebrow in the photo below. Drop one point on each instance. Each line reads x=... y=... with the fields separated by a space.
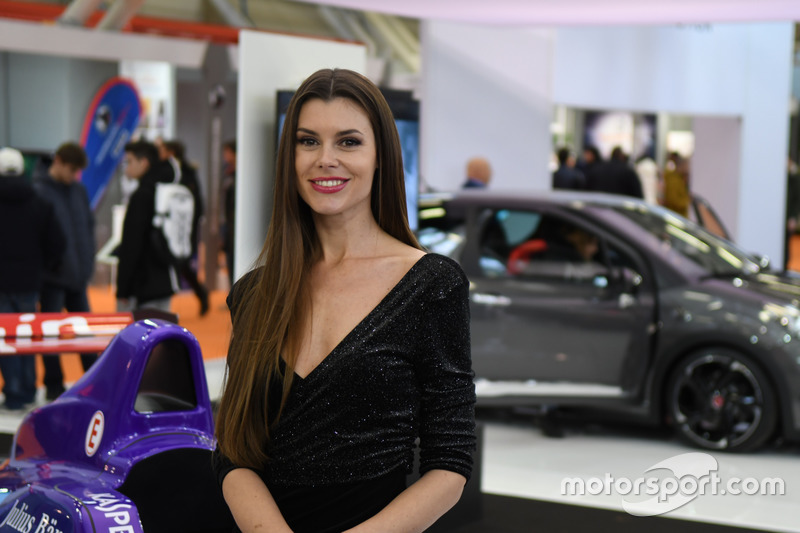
x=339 y=134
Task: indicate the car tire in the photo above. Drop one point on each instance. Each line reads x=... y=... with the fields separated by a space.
x=720 y=399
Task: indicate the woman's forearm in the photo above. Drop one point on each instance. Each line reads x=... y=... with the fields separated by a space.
x=419 y=506
x=251 y=503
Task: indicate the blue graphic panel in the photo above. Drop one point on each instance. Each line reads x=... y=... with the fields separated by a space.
x=109 y=124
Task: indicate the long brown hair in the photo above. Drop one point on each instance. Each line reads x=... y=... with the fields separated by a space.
x=273 y=301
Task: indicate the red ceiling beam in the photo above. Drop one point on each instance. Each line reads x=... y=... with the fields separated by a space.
x=49 y=13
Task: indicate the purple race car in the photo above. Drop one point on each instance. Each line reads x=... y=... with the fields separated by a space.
x=127 y=449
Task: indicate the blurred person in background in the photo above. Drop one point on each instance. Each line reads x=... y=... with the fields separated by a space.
x=32 y=243
x=647 y=170
x=676 y=184
x=479 y=174
x=174 y=152
x=615 y=176
x=567 y=176
x=66 y=288
x=143 y=279
x=588 y=162
x=228 y=204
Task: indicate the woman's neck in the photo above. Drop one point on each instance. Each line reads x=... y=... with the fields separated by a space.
x=341 y=239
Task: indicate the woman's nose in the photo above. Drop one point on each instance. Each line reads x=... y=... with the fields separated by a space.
x=327 y=156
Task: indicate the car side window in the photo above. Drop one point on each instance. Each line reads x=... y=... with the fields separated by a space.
x=617 y=258
x=503 y=230
x=529 y=244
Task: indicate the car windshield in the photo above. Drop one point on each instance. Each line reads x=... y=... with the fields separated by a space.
x=686 y=243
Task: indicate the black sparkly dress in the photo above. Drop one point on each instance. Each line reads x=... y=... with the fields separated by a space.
x=345 y=441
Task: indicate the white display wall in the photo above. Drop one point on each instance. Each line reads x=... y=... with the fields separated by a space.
x=494 y=88
x=739 y=72
x=268 y=63
x=485 y=91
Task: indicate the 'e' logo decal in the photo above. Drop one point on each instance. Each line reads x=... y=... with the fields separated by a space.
x=94 y=434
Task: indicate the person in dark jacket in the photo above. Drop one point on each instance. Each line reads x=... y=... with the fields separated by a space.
x=143 y=280
x=229 y=204
x=589 y=161
x=32 y=243
x=567 y=176
x=175 y=153
x=479 y=174
x=66 y=288
x=615 y=176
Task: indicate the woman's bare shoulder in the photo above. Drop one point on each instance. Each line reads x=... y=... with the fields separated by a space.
x=405 y=255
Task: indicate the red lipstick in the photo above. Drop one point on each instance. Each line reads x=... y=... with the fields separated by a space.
x=328 y=185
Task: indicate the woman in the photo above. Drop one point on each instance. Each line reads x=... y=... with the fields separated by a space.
x=349 y=342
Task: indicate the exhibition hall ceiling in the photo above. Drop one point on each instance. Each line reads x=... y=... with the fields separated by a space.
x=302 y=15
x=388 y=37
x=335 y=18
x=390 y=28
x=270 y=15
x=582 y=12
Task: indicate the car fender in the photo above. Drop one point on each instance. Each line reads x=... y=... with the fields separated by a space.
x=717 y=312
x=669 y=356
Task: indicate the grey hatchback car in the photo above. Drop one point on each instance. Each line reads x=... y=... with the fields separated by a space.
x=588 y=300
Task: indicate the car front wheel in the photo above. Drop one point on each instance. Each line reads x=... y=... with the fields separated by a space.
x=720 y=399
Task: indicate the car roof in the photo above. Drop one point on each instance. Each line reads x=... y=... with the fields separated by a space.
x=458 y=200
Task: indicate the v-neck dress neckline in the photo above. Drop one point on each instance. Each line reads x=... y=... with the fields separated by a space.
x=326 y=361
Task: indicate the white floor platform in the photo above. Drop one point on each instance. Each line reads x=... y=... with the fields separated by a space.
x=521 y=462
x=518 y=460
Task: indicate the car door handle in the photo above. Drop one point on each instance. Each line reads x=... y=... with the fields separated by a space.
x=490 y=299
x=626 y=300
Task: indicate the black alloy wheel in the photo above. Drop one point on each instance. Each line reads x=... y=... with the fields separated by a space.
x=719 y=399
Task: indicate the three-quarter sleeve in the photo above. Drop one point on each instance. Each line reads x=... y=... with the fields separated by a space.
x=445 y=377
x=221 y=465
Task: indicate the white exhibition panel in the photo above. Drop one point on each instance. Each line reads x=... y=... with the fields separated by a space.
x=268 y=63
x=714 y=137
x=677 y=69
x=491 y=90
x=738 y=71
x=486 y=91
x=765 y=140
x=87 y=43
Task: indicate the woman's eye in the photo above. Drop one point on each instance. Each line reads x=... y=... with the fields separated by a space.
x=350 y=142
x=306 y=141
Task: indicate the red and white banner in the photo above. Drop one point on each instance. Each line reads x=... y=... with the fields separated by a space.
x=31 y=333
